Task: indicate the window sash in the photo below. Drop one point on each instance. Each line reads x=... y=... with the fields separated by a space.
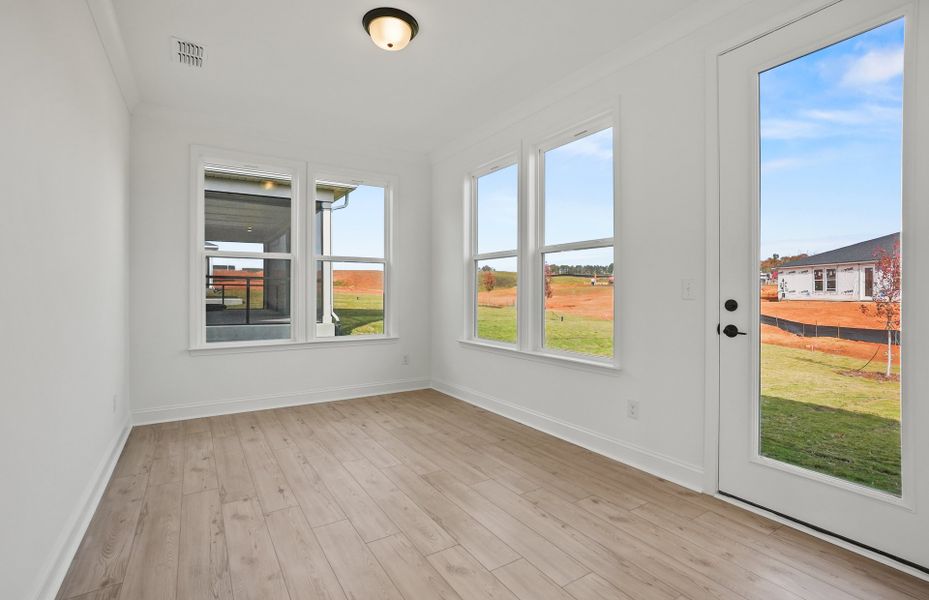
x=475 y=257
x=579 y=132
x=388 y=185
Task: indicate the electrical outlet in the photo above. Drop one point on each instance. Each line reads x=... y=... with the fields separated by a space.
x=115 y=398
x=405 y=359
x=632 y=409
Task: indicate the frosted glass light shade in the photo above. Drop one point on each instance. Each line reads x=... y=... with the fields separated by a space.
x=390 y=29
x=390 y=33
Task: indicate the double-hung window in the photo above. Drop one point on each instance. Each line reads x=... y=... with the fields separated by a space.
x=247 y=254
x=494 y=262
x=559 y=229
x=350 y=257
x=575 y=205
x=262 y=274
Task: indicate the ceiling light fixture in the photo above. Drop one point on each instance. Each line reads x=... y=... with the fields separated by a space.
x=390 y=29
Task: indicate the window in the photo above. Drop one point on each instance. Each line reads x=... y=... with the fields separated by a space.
x=349 y=255
x=560 y=229
x=247 y=255
x=577 y=250
x=817 y=280
x=257 y=282
x=830 y=280
x=494 y=256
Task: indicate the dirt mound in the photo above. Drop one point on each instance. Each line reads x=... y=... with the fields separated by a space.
x=863 y=350
x=570 y=295
x=823 y=312
x=358 y=281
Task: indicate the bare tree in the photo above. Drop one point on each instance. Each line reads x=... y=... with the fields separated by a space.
x=548 y=280
x=887 y=293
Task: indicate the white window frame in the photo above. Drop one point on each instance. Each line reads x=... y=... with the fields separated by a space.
x=531 y=249
x=540 y=249
x=474 y=257
x=389 y=183
x=301 y=255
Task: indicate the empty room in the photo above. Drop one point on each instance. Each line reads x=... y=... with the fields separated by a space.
x=464 y=300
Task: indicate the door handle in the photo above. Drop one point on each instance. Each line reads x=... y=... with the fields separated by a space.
x=732 y=331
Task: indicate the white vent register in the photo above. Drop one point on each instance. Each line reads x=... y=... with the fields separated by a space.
x=187 y=53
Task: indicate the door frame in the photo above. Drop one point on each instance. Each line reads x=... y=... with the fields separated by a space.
x=712 y=268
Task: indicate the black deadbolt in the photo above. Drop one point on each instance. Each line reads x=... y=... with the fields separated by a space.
x=731 y=305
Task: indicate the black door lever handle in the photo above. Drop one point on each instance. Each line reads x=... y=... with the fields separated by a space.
x=732 y=331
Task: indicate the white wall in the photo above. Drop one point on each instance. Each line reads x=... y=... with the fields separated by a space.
x=661 y=164
x=64 y=167
x=169 y=382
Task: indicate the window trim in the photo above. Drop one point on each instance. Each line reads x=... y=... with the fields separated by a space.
x=528 y=157
x=301 y=255
x=389 y=183
x=565 y=136
x=473 y=257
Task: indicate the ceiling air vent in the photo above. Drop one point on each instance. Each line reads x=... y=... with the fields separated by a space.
x=187 y=53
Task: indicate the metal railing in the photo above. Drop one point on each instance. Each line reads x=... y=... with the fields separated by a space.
x=262 y=283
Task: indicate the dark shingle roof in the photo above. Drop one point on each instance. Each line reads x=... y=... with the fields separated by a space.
x=860 y=252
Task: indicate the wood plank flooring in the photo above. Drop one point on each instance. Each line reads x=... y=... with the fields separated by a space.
x=417 y=496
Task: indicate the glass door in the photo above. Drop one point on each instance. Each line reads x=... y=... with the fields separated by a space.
x=813 y=120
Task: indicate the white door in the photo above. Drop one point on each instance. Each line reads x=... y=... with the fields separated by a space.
x=817 y=121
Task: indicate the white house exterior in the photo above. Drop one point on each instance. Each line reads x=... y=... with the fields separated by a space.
x=843 y=274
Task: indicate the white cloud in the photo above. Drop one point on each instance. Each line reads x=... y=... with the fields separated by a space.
x=865 y=114
x=875 y=67
x=783 y=164
x=789 y=129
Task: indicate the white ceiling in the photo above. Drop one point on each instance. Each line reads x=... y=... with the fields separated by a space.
x=307 y=65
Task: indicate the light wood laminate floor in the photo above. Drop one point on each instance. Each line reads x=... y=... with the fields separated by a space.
x=416 y=496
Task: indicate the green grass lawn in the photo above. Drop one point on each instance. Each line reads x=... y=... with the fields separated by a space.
x=815 y=416
x=359 y=314
x=497 y=324
x=562 y=331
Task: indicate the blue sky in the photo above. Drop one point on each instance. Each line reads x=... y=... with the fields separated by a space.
x=578 y=201
x=831 y=126
x=359 y=229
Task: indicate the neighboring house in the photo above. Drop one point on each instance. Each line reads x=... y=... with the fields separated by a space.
x=842 y=274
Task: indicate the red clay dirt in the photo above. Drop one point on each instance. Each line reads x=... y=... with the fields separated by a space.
x=843 y=314
x=862 y=350
x=370 y=282
x=571 y=295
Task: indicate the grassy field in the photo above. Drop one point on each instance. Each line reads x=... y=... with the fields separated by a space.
x=497 y=323
x=577 y=316
x=360 y=313
x=574 y=333
x=817 y=416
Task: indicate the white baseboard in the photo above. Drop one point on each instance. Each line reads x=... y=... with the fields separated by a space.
x=66 y=546
x=666 y=467
x=161 y=414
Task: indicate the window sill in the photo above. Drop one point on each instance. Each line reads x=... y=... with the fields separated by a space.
x=571 y=362
x=277 y=346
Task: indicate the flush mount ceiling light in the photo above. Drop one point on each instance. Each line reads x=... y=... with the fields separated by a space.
x=390 y=28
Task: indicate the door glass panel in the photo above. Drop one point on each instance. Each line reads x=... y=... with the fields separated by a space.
x=831 y=161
